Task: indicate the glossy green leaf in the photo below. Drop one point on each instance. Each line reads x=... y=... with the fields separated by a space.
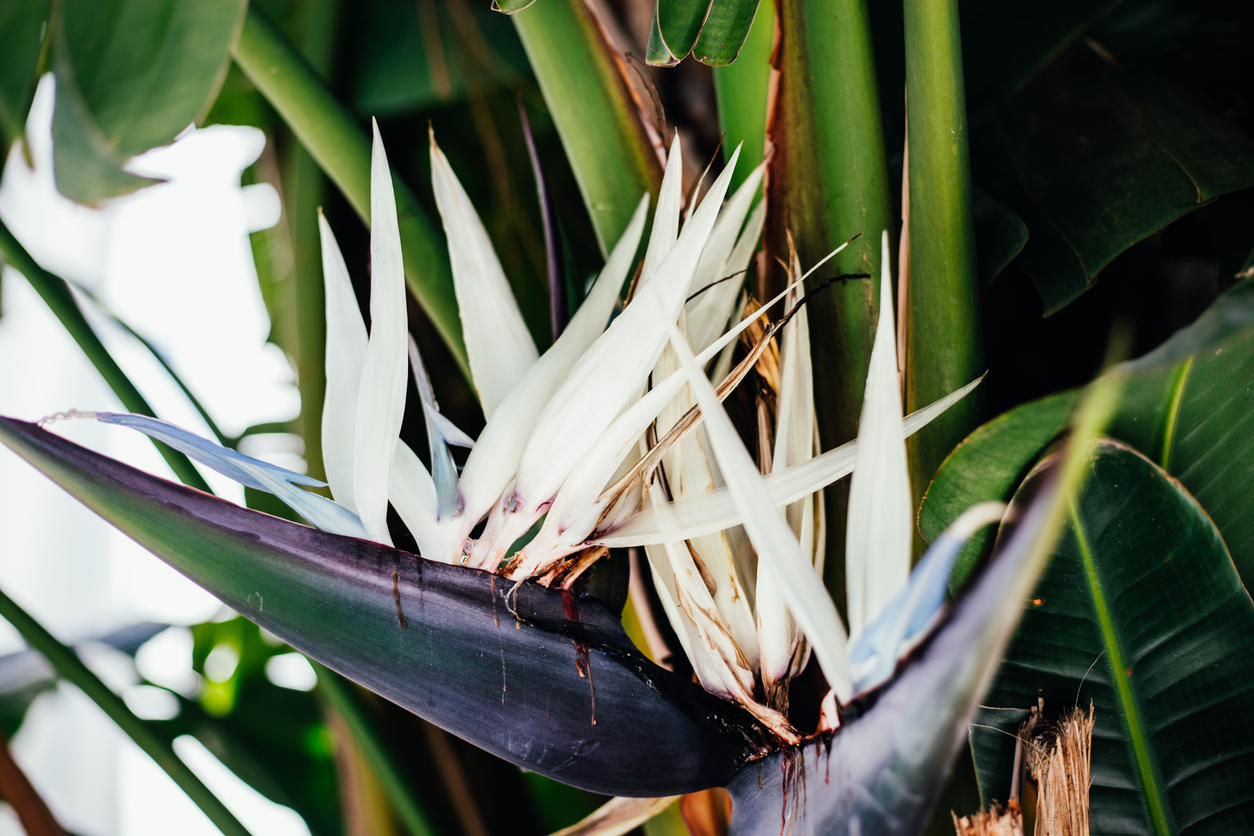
x=677 y=23
x=581 y=77
x=542 y=678
x=1142 y=614
x=726 y=28
x=1103 y=161
x=141 y=71
x=987 y=466
x=21 y=34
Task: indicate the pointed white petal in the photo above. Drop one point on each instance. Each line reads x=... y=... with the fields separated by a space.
x=453 y=435
x=413 y=494
x=666 y=218
x=345 y=355
x=709 y=313
x=253 y=473
x=611 y=372
x=801 y=587
x=381 y=401
x=726 y=231
x=873 y=655
x=716 y=511
x=498 y=344
x=879 y=532
x=494 y=460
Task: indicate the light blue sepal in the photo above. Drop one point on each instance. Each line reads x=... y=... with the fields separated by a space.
x=873 y=654
x=253 y=473
x=441 y=432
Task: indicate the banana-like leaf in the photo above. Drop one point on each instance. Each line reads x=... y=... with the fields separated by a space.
x=21 y=22
x=713 y=31
x=881 y=772
x=1141 y=612
x=546 y=680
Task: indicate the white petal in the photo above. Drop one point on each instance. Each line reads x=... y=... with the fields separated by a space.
x=709 y=313
x=726 y=231
x=494 y=460
x=666 y=218
x=801 y=587
x=413 y=494
x=443 y=470
x=716 y=511
x=611 y=372
x=498 y=344
x=381 y=401
x=879 y=532
x=345 y=356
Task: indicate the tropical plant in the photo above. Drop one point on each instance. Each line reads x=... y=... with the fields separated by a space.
x=583 y=505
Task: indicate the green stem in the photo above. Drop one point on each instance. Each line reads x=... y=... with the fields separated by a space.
x=1169 y=413
x=336 y=141
x=829 y=182
x=60 y=300
x=155 y=744
x=741 y=89
x=943 y=350
x=581 y=78
x=338 y=692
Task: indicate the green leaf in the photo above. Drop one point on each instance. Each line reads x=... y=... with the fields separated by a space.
x=1104 y=161
x=741 y=89
x=1000 y=235
x=726 y=28
x=141 y=72
x=987 y=466
x=21 y=34
x=677 y=23
x=1142 y=613
x=542 y=678
x=581 y=77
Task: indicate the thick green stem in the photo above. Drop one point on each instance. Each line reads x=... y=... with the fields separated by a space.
x=741 y=88
x=943 y=350
x=341 y=148
x=597 y=118
x=829 y=182
x=339 y=694
x=60 y=300
x=155 y=744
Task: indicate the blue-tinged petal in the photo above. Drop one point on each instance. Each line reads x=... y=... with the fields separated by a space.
x=253 y=473
x=443 y=470
x=381 y=402
x=874 y=653
x=345 y=355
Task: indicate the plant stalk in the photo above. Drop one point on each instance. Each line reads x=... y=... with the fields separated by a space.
x=597 y=117
x=155 y=744
x=741 y=90
x=333 y=137
x=60 y=300
x=943 y=345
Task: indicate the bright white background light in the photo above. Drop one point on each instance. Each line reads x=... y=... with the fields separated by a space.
x=174 y=262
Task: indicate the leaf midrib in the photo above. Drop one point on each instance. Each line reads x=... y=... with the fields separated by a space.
x=1154 y=797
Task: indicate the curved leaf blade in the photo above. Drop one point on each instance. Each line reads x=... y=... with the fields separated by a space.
x=1141 y=612
x=459 y=647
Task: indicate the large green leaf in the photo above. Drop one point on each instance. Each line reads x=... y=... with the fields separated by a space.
x=542 y=678
x=726 y=28
x=676 y=25
x=21 y=33
x=142 y=71
x=1099 y=160
x=1142 y=613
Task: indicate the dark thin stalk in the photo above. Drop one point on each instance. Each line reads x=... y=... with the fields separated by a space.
x=155 y=744
x=333 y=137
x=60 y=300
x=559 y=312
x=339 y=695
x=15 y=788
x=943 y=345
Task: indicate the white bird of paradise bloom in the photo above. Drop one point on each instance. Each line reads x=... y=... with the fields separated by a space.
x=616 y=437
